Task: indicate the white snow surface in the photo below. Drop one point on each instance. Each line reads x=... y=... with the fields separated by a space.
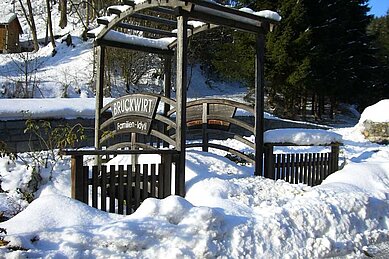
x=377 y=112
x=227 y=212
x=269 y=14
x=6 y=18
x=161 y=43
x=299 y=136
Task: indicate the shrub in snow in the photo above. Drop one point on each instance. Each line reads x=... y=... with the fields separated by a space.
x=374 y=122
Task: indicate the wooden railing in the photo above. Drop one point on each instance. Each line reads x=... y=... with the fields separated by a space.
x=307 y=168
x=121 y=189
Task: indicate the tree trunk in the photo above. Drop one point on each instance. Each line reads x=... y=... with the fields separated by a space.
x=31 y=23
x=333 y=107
x=50 y=24
x=63 y=22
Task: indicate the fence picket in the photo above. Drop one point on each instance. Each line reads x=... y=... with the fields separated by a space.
x=145 y=181
x=129 y=193
x=309 y=174
x=95 y=184
x=103 y=188
x=120 y=189
x=112 y=188
x=287 y=176
x=137 y=186
x=153 y=180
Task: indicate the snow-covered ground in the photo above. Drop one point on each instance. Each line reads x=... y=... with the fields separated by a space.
x=227 y=212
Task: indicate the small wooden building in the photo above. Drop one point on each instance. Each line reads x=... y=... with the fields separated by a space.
x=9 y=33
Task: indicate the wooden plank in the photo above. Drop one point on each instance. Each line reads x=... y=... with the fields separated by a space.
x=167 y=66
x=145 y=182
x=160 y=181
x=317 y=169
x=110 y=43
x=137 y=186
x=146 y=29
x=120 y=189
x=283 y=166
x=321 y=169
x=166 y=161
x=278 y=166
x=76 y=177
x=153 y=182
x=301 y=175
x=85 y=188
x=269 y=162
x=287 y=169
x=326 y=166
x=95 y=185
x=305 y=164
x=129 y=193
x=155 y=19
x=330 y=164
x=309 y=173
x=293 y=169
x=104 y=188
x=112 y=188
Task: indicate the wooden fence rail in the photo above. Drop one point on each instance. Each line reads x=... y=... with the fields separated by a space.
x=307 y=168
x=121 y=189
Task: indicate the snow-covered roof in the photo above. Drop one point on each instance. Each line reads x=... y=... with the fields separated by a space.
x=202 y=15
x=7 y=18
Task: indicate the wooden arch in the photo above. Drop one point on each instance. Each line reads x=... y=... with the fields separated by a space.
x=169 y=24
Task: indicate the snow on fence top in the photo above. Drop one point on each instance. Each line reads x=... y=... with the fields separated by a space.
x=377 y=112
x=302 y=136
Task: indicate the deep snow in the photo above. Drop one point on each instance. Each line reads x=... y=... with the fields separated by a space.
x=227 y=212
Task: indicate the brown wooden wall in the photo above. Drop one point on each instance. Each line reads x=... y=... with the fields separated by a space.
x=3 y=33
x=13 y=37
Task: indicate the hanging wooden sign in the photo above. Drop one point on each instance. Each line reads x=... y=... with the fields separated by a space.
x=134 y=113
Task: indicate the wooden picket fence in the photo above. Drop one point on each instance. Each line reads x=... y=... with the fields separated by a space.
x=121 y=189
x=307 y=168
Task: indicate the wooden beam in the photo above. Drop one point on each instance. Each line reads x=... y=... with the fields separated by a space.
x=155 y=19
x=146 y=29
x=182 y=61
x=167 y=66
x=122 y=45
x=99 y=92
x=209 y=18
x=163 y=10
x=259 y=103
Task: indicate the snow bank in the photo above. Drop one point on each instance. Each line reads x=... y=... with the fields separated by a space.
x=302 y=136
x=47 y=108
x=377 y=112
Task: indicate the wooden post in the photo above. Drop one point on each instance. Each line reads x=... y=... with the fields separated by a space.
x=182 y=60
x=204 y=128
x=99 y=97
x=335 y=157
x=166 y=161
x=77 y=177
x=269 y=162
x=259 y=103
x=167 y=89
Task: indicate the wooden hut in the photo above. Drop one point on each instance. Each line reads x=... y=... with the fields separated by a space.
x=9 y=33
